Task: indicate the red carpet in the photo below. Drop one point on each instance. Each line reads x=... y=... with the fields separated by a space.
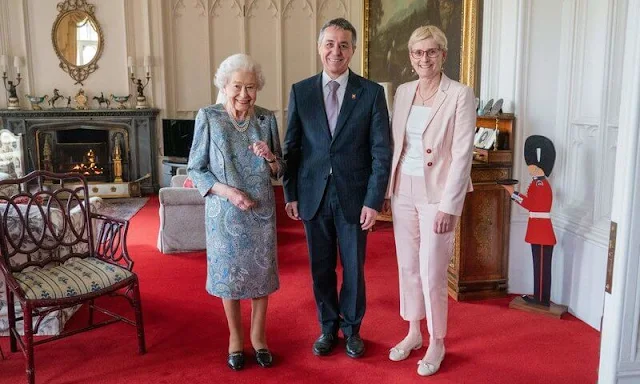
x=187 y=337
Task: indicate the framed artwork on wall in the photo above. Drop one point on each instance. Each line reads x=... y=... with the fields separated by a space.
x=388 y=24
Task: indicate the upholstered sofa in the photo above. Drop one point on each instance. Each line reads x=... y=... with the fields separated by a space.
x=181 y=218
x=54 y=322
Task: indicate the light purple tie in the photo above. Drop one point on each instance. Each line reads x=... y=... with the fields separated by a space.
x=331 y=105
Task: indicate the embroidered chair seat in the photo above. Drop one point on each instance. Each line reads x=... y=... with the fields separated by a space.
x=73 y=278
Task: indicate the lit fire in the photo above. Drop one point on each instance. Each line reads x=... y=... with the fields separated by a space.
x=89 y=170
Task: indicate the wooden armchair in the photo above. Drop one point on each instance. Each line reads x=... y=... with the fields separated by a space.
x=53 y=260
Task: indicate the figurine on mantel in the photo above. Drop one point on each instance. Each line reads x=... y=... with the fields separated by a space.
x=102 y=100
x=12 y=102
x=81 y=100
x=56 y=96
x=121 y=100
x=36 y=101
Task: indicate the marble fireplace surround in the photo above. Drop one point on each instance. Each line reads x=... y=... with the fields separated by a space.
x=140 y=125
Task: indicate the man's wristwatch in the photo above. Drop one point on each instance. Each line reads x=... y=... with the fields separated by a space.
x=270 y=161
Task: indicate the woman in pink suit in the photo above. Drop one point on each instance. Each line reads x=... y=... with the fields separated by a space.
x=433 y=127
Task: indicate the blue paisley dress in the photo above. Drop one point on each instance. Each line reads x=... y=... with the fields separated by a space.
x=241 y=245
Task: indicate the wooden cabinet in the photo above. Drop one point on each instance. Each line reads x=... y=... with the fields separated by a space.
x=480 y=262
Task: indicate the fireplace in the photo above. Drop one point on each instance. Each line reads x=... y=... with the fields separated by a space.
x=99 y=153
x=110 y=147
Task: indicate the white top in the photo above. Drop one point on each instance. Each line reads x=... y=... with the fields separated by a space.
x=412 y=158
x=342 y=80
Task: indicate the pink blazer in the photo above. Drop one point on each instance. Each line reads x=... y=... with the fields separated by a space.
x=447 y=142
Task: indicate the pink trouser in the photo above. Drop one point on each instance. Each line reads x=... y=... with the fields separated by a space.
x=423 y=255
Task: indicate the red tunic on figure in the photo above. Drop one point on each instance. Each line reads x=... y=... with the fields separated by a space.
x=538 y=199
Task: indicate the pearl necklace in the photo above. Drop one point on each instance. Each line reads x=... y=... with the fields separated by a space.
x=240 y=127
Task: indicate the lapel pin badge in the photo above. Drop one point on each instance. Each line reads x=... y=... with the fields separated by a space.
x=353 y=96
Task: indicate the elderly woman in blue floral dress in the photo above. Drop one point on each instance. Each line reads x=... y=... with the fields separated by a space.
x=235 y=154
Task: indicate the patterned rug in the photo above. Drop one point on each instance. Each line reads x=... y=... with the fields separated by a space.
x=122 y=208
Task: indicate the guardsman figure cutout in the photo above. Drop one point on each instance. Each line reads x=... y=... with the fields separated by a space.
x=539 y=155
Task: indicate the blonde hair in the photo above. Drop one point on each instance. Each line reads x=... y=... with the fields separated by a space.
x=427 y=31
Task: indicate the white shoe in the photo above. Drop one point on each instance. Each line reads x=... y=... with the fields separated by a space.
x=426 y=368
x=397 y=354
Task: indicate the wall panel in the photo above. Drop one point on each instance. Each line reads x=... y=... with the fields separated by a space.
x=263 y=25
x=191 y=60
x=226 y=33
x=298 y=44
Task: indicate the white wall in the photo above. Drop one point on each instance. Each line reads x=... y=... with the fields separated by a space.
x=563 y=84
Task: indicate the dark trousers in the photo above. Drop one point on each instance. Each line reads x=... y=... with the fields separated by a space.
x=542 y=272
x=326 y=232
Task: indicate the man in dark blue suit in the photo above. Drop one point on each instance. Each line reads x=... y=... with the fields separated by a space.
x=338 y=159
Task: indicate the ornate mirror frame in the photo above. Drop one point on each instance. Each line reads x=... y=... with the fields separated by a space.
x=79 y=73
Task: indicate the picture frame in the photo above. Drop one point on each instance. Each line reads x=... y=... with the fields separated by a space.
x=485 y=138
x=388 y=24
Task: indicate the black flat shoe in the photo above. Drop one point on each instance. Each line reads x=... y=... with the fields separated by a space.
x=354 y=346
x=325 y=344
x=263 y=357
x=235 y=360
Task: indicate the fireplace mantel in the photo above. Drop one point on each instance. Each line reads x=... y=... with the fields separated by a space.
x=139 y=123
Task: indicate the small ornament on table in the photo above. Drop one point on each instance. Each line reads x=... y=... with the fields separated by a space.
x=13 y=102
x=36 y=100
x=497 y=134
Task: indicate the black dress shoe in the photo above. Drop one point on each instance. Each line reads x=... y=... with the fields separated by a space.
x=355 y=346
x=235 y=360
x=325 y=344
x=263 y=357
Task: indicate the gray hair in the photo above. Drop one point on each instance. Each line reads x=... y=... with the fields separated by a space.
x=234 y=63
x=341 y=23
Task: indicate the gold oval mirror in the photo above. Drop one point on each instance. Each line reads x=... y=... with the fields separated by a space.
x=77 y=39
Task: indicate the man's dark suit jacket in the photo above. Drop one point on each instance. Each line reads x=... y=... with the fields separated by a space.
x=358 y=154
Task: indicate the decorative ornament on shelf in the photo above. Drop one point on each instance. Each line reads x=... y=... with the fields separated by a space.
x=56 y=96
x=36 y=100
x=81 y=100
x=121 y=100
x=102 y=100
x=141 y=99
x=13 y=102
